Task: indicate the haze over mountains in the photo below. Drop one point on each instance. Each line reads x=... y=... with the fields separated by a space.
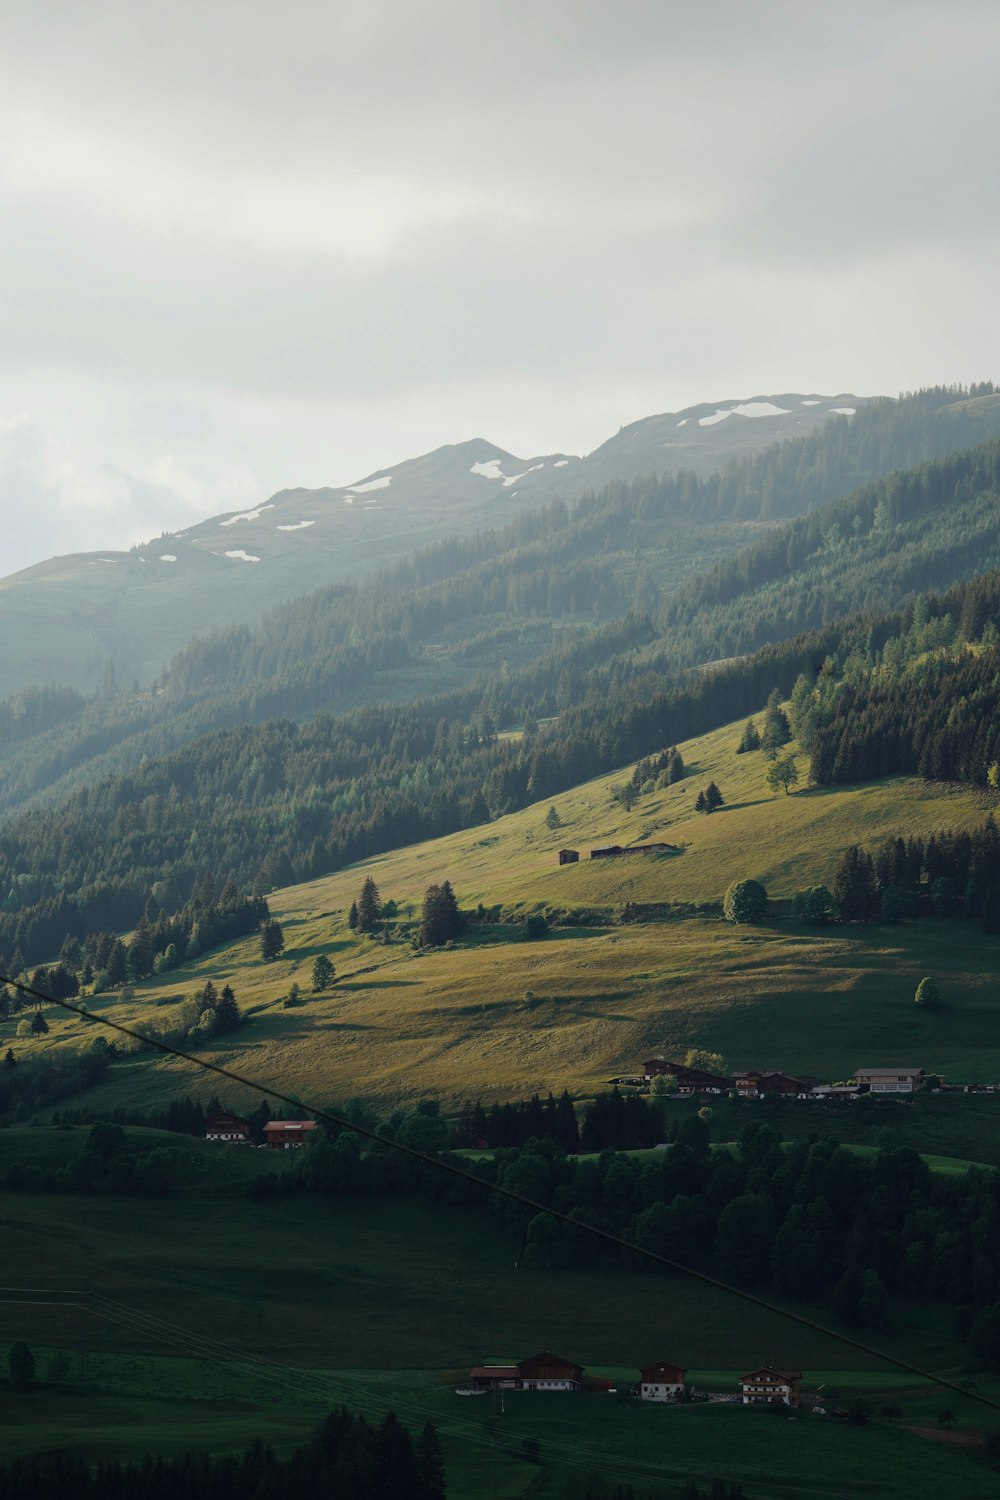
x=63 y=620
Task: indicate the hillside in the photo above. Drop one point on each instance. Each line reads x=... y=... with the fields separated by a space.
x=64 y=620
x=500 y=1017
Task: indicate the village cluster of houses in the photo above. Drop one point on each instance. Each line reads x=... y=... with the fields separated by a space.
x=756 y=1084
x=662 y=1380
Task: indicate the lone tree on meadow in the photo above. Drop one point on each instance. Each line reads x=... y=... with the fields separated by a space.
x=745 y=901
x=323 y=973
x=713 y=797
x=552 y=818
x=369 y=906
x=928 y=994
x=272 y=940
x=782 y=772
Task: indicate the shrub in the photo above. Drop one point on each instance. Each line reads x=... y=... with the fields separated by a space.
x=745 y=901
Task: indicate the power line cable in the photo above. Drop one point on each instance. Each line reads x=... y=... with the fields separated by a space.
x=511 y=1194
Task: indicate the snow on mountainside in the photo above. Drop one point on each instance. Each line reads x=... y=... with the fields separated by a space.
x=62 y=619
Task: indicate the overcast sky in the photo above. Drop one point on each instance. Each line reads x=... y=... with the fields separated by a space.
x=246 y=245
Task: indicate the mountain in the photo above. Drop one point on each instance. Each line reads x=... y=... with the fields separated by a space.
x=65 y=619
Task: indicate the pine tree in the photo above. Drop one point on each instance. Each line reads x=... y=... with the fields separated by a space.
x=777 y=731
x=39 y=1025
x=352 y=919
x=713 y=797
x=699 y=803
x=369 y=906
x=227 y=1011
x=272 y=940
x=323 y=973
x=676 y=770
x=750 y=739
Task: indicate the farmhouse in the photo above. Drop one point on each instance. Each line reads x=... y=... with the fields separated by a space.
x=539 y=1372
x=661 y=1381
x=606 y=851
x=890 y=1080
x=285 y=1135
x=568 y=856
x=771 y=1387
x=689 y=1080
x=226 y=1127
x=754 y=1085
x=549 y=1372
x=612 y=851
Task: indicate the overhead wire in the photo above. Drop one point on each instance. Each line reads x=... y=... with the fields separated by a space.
x=451 y=1168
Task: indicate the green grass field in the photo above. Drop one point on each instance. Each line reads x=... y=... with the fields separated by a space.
x=500 y=1017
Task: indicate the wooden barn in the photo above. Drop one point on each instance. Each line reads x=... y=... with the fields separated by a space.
x=549 y=1372
x=568 y=856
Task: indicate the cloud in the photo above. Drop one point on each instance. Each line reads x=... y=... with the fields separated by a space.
x=242 y=249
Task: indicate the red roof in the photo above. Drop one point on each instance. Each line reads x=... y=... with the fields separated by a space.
x=494 y=1372
x=290 y=1125
x=663 y=1372
x=787 y=1375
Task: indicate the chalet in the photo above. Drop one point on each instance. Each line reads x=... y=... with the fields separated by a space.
x=661 y=1381
x=697 y=1081
x=568 y=856
x=539 y=1372
x=606 y=851
x=890 y=1080
x=549 y=1372
x=771 y=1387
x=226 y=1127
x=286 y=1135
x=689 y=1080
x=754 y=1085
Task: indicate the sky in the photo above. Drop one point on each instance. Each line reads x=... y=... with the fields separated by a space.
x=246 y=246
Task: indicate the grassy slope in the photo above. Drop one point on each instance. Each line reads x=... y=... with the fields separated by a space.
x=385 y=1303
x=499 y=1017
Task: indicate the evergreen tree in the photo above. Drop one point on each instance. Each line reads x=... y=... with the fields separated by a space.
x=352 y=918
x=323 y=973
x=227 y=1012
x=39 y=1025
x=552 y=819
x=442 y=919
x=776 y=731
x=369 y=906
x=750 y=739
x=700 y=804
x=676 y=770
x=272 y=940
x=854 y=887
x=713 y=797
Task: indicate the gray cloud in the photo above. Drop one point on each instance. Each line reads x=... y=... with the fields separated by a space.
x=244 y=249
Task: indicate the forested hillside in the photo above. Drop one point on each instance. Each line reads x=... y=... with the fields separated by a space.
x=495 y=620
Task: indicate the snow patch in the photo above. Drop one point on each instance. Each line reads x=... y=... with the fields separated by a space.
x=515 y=477
x=745 y=409
x=810 y=403
x=373 y=484
x=107 y=559
x=560 y=463
x=682 y=422
x=242 y=556
x=299 y=526
x=168 y=557
x=348 y=499
x=844 y=411
x=247 y=515
x=489 y=470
